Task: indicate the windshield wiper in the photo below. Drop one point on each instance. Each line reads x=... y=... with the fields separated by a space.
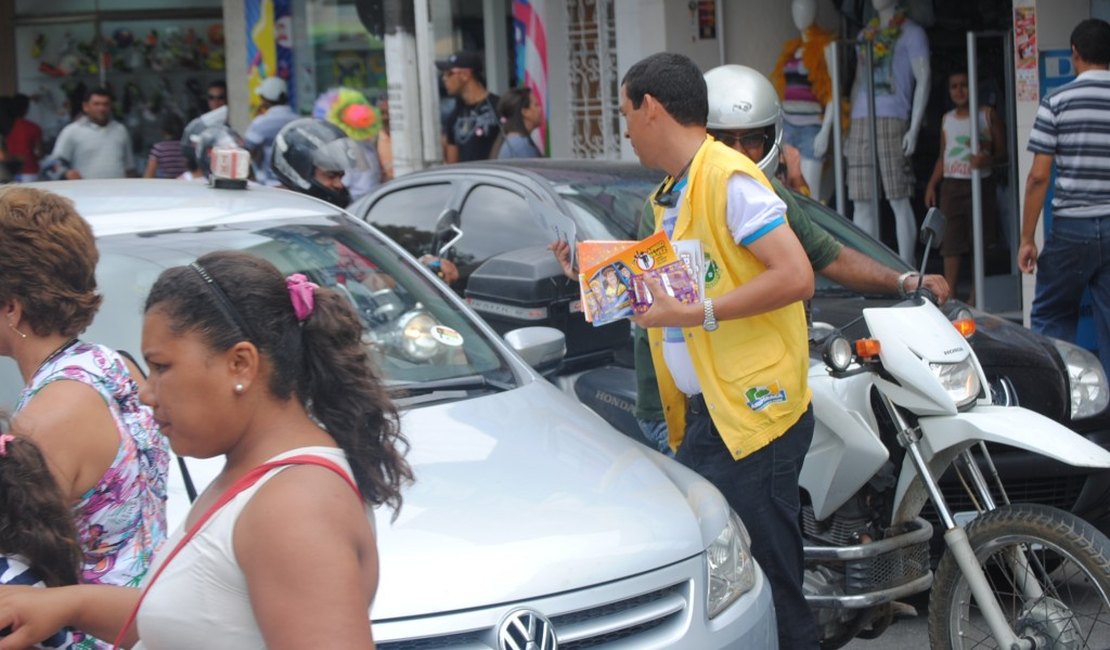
x=463 y=383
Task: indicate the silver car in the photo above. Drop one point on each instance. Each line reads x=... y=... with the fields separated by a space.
x=531 y=520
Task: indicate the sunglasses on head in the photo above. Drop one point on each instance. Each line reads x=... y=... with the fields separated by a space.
x=749 y=140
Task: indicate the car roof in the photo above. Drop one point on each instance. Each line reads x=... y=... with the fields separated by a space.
x=550 y=169
x=138 y=205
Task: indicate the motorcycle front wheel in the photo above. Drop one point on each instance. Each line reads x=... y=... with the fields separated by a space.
x=1050 y=571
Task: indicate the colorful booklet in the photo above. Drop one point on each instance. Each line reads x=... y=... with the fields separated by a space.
x=612 y=278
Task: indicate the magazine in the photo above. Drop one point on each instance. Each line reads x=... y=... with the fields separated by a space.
x=614 y=287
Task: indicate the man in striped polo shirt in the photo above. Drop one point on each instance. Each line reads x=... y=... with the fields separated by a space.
x=1073 y=129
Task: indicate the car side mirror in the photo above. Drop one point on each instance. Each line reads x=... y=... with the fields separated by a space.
x=447 y=231
x=540 y=347
x=932 y=228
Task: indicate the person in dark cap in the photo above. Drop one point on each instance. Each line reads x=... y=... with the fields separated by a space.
x=473 y=125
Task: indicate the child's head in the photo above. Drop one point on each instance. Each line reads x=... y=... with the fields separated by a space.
x=957 y=87
x=35 y=520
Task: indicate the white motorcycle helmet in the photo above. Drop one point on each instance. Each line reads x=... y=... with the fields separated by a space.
x=742 y=98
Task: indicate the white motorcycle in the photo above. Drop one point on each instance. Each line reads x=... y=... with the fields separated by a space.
x=896 y=409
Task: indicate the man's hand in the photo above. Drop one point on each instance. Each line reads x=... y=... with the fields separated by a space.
x=668 y=311
x=934 y=283
x=442 y=267
x=930 y=196
x=73 y=175
x=561 y=251
x=1027 y=256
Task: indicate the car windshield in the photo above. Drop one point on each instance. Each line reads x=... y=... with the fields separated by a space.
x=416 y=333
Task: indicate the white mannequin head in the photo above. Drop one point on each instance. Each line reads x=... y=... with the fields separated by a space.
x=883 y=5
x=805 y=12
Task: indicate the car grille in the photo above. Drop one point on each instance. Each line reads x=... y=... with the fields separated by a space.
x=623 y=620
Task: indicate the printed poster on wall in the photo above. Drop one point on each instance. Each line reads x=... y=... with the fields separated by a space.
x=530 y=39
x=1025 y=50
x=269 y=45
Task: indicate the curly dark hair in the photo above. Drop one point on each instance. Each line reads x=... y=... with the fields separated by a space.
x=322 y=360
x=48 y=261
x=35 y=522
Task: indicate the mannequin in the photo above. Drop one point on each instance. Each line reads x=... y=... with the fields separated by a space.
x=901 y=81
x=805 y=89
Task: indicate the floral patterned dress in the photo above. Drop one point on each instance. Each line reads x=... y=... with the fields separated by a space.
x=121 y=521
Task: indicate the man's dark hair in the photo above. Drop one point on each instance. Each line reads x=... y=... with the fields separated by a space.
x=218 y=83
x=675 y=81
x=98 y=90
x=1091 y=40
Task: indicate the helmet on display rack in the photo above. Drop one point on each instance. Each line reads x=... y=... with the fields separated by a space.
x=305 y=145
x=742 y=98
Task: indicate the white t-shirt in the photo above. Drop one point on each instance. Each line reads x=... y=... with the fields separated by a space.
x=752 y=211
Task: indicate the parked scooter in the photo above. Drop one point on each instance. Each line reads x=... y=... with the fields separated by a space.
x=894 y=410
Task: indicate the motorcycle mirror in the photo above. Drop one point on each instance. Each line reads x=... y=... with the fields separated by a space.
x=932 y=228
x=447 y=231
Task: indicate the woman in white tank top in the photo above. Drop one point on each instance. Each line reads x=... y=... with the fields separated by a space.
x=290 y=560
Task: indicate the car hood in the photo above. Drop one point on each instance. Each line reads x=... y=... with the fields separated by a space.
x=525 y=493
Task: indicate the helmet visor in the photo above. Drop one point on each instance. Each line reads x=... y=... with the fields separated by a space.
x=340 y=155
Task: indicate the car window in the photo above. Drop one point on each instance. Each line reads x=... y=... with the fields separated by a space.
x=408 y=216
x=494 y=220
x=414 y=331
x=609 y=210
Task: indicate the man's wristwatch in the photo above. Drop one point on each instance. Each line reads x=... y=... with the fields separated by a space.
x=710 y=322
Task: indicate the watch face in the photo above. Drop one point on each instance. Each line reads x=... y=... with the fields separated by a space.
x=710 y=326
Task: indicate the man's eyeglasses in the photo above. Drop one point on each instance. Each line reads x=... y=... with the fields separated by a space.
x=217 y=97
x=749 y=140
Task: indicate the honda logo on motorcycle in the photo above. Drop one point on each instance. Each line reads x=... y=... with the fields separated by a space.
x=526 y=629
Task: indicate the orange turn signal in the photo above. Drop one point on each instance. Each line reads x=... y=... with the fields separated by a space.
x=965 y=326
x=867 y=348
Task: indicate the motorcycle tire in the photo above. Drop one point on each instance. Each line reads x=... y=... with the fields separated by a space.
x=1068 y=557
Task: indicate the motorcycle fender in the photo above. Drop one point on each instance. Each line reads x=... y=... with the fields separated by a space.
x=1005 y=425
x=845 y=452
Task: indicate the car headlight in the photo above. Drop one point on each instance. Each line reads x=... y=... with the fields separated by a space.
x=731 y=568
x=414 y=338
x=1086 y=380
x=960 y=380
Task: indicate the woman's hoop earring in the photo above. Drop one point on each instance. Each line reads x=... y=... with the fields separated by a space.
x=239 y=388
x=14 y=329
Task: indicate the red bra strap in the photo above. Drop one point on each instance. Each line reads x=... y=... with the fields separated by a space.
x=244 y=482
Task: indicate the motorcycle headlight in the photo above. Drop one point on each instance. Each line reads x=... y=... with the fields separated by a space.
x=414 y=336
x=1086 y=379
x=731 y=568
x=959 y=380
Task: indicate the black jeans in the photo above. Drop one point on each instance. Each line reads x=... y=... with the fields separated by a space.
x=763 y=489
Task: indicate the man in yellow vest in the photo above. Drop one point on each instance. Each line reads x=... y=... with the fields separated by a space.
x=731 y=369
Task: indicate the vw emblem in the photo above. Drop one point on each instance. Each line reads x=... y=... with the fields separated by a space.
x=526 y=629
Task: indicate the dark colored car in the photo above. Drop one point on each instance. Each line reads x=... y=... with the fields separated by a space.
x=508 y=275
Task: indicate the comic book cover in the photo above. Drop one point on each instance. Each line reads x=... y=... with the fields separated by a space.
x=614 y=287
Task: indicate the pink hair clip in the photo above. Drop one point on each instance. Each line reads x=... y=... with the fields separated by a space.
x=302 y=295
x=4 y=440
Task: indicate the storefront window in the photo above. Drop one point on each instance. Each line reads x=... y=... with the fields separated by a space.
x=343 y=51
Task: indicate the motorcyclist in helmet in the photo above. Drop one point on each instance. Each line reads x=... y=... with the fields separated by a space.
x=311 y=156
x=745 y=114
